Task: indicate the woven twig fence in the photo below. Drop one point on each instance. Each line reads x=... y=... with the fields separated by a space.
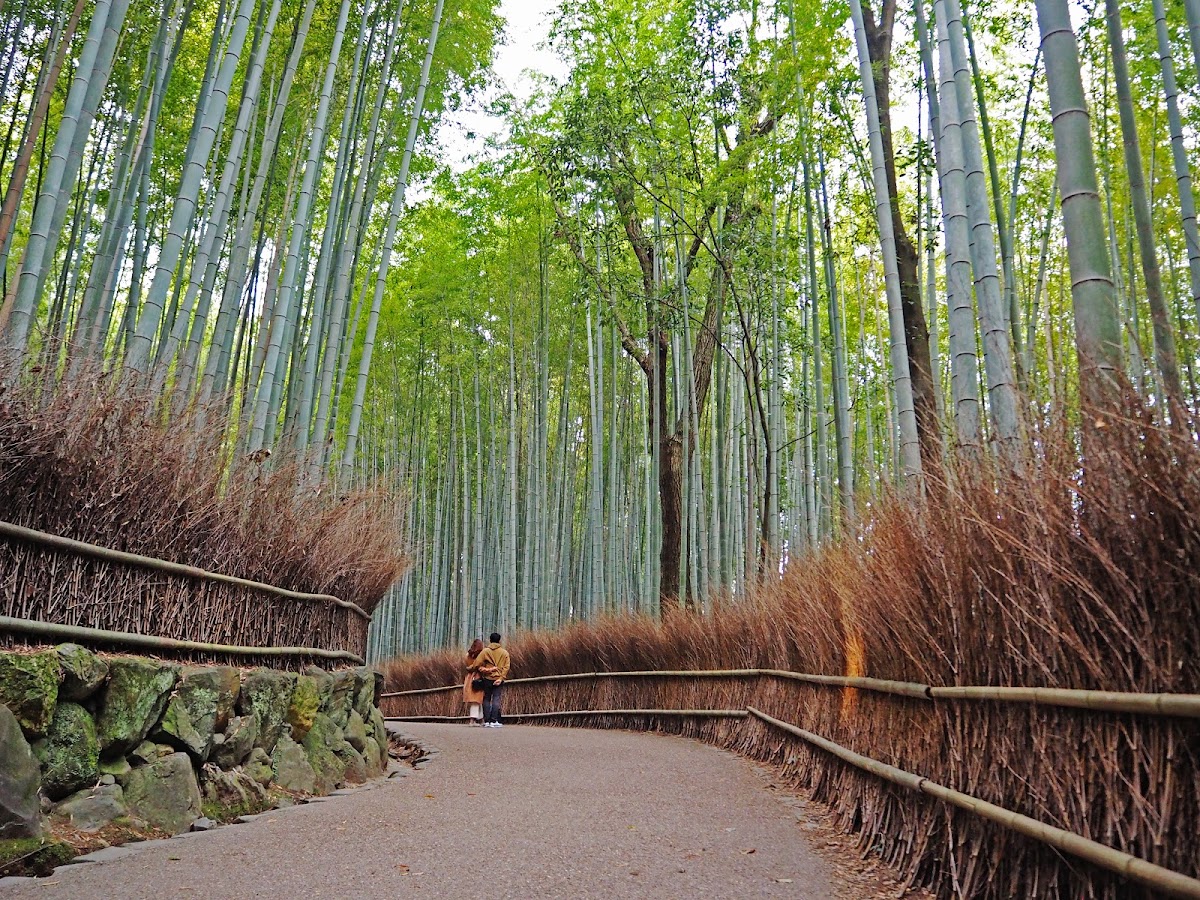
x=53 y=580
x=1077 y=761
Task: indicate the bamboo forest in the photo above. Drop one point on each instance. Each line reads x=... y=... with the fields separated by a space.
x=734 y=277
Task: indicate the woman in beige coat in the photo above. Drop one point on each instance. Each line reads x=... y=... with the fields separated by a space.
x=472 y=697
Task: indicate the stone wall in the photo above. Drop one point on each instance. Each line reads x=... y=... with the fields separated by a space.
x=87 y=740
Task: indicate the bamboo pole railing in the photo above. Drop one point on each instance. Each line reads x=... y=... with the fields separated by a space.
x=1132 y=867
x=153 y=642
x=82 y=548
x=1174 y=705
x=568 y=713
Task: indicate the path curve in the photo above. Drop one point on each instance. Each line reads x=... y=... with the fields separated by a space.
x=515 y=812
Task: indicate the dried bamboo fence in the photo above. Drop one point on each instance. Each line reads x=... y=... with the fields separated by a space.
x=1051 y=792
x=57 y=588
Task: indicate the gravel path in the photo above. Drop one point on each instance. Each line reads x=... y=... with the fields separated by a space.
x=515 y=812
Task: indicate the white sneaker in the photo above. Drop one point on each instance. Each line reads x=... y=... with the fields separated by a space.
x=497 y=724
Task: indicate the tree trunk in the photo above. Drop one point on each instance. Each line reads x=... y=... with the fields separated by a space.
x=885 y=205
x=916 y=330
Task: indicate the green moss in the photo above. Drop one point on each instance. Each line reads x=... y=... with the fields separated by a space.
x=226 y=813
x=220 y=812
x=83 y=672
x=306 y=701
x=13 y=849
x=201 y=705
x=134 y=699
x=319 y=745
x=71 y=753
x=29 y=687
x=265 y=695
x=33 y=856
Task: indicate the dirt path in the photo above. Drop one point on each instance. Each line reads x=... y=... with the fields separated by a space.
x=514 y=812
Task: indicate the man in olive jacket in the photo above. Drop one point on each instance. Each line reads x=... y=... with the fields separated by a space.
x=492 y=664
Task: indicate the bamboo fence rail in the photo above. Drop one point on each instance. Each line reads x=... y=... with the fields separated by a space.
x=583 y=713
x=1182 y=705
x=1174 y=883
x=155 y=644
x=185 y=611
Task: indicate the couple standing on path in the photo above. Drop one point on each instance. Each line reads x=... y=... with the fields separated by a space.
x=487 y=668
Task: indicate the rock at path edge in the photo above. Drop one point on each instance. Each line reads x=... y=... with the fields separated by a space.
x=93 y=808
x=292 y=769
x=20 y=807
x=165 y=793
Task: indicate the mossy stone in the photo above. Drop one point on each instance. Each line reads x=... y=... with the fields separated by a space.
x=319 y=745
x=135 y=698
x=378 y=729
x=324 y=682
x=231 y=748
x=364 y=691
x=83 y=672
x=354 y=767
x=258 y=766
x=165 y=793
x=117 y=767
x=370 y=756
x=305 y=702
x=144 y=753
x=20 y=807
x=227 y=795
x=71 y=754
x=201 y=705
x=29 y=687
x=266 y=695
x=93 y=808
x=176 y=728
x=292 y=770
x=341 y=697
x=356 y=731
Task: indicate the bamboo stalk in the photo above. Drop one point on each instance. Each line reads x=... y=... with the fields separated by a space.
x=1098 y=854
x=1175 y=705
x=69 y=545
x=152 y=642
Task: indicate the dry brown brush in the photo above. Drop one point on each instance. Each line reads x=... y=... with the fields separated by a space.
x=1045 y=578
x=96 y=462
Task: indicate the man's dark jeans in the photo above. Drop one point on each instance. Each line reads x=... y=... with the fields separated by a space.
x=491 y=702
